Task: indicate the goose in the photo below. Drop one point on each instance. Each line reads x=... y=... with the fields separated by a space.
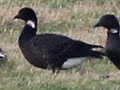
x=112 y=47
x=51 y=51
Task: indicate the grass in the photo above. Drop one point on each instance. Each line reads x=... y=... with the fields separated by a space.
x=73 y=18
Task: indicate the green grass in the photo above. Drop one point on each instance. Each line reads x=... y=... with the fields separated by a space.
x=73 y=18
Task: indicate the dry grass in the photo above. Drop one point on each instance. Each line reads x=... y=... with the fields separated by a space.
x=72 y=18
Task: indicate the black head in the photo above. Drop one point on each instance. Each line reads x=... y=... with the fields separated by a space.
x=26 y=14
x=108 y=21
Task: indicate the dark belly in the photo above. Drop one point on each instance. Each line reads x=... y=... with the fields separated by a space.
x=38 y=60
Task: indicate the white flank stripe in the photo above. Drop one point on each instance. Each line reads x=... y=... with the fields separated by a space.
x=73 y=62
x=2 y=55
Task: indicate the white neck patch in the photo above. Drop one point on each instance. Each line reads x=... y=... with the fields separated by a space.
x=31 y=23
x=113 y=31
